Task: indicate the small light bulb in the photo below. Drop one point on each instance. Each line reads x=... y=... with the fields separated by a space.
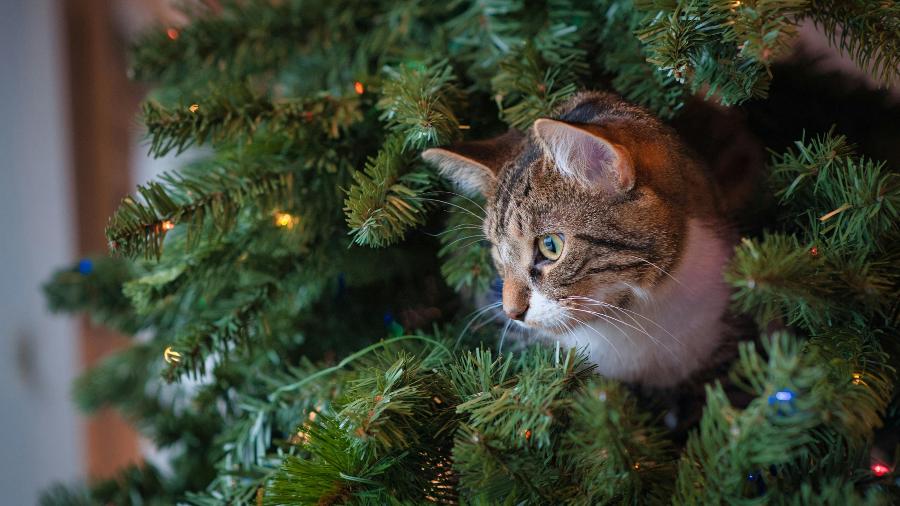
x=167 y=225
x=285 y=220
x=194 y=107
x=171 y=356
x=880 y=470
x=172 y=33
x=358 y=86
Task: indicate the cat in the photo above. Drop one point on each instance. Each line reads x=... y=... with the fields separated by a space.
x=608 y=235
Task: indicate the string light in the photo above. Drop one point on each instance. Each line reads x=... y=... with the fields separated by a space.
x=171 y=356
x=783 y=400
x=172 y=33
x=360 y=89
x=285 y=220
x=782 y=396
x=301 y=437
x=879 y=469
x=194 y=107
x=85 y=266
x=814 y=251
x=167 y=225
x=527 y=434
x=857 y=379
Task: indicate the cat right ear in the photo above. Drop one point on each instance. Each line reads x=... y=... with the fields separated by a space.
x=474 y=166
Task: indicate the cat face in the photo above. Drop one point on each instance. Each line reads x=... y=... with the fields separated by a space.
x=586 y=213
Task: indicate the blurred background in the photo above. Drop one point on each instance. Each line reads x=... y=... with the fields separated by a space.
x=70 y=149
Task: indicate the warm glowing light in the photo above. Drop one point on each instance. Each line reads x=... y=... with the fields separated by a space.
x=637 y=465
x=194 y=107
x=527 y=434
x=880 y=470
x=285 y=220
x=358 y=86
x=857 y=379
x=172 y=33
x=168 y=225
x=171 y=356
x=301 y=437
x=312 y=416
x=814 y=251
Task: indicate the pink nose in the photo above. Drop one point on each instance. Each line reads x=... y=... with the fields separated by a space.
x=517 y=313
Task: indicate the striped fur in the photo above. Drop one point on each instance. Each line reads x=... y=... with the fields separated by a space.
x=639 y=280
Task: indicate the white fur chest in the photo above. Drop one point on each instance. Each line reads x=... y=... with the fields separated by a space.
x=666 y=335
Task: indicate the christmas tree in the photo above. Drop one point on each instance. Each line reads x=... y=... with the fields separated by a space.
x=314 y=292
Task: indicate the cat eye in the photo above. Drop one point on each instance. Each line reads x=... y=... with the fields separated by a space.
x=550 y=246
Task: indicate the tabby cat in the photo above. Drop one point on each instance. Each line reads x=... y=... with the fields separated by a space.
x=608 y=234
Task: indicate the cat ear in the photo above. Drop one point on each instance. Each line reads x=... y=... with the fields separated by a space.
x=474 y=166
x=586 y=156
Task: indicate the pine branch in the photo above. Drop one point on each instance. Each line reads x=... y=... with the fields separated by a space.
x=853 y=202
x=722 y=46
x=94 y=286
x=777 y=277
x=869 y=32
x=507 y=440
x=336 y=471
x=623 y=56
x=527 y=88
x=618 y=454
x=204 y=198
x=484 y=32
x=417 y=103
x=388 y=195
x=466 y=257
x=237 y=113
x=782 y=428
x=242 y=39
x=386 y=198
x=732 y=444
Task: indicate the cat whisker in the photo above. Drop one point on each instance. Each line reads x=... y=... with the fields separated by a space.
x=635 y=313
x=481 y=218
x=503 y=336
x=660 y=327
x=608 y=317
x=660 y=269
x=464 y=226
x=613 y=346
x=480 y=237
x=477 y=314
x=611 y=319
x=463 y=196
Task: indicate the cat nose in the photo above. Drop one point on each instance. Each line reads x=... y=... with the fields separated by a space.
x=517 y=313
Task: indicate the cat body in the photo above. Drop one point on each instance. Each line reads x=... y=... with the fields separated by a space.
x=608 y=235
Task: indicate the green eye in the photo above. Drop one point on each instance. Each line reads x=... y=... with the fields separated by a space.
x=551 y=246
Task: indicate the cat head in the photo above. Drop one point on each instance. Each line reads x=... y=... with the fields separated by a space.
x=586 y=211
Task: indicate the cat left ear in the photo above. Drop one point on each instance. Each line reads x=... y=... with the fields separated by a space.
x=474 y=166
x=586 y=156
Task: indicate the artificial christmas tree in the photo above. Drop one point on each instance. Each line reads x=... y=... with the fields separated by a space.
x=316 y=280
